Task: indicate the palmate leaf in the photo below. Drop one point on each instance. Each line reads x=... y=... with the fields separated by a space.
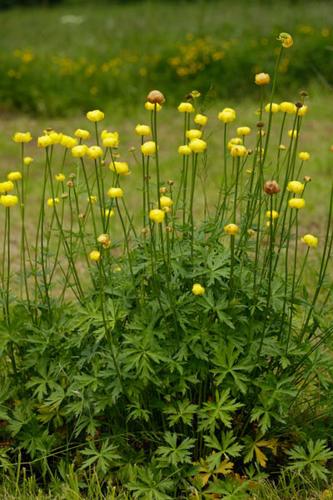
x=232 y=370
x=311 y=459
x=102 y=459
x=149 y=485
x=173 y=454
x=182 y=411
x=219 y=411
x=255 y=452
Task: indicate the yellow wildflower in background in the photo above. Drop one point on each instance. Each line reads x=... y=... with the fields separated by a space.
x=242 y=131
x=82 y=134
x=149 y=106
x=8 y=200
x=200 y=119
x=148 y=148
x=142 y=130
x=272 y=214
x=115 y=192
x=193 y=133
x=60 y=177
x=120 y=167
x=166 y=201
x=185 y=107
x=273 y=107
x=44 y=141
x=304 y=155
x=227 y=115
x=95 y=116
x=6 y=187
x=79 y=151
x=68 y=142
x=22 y=137
x=295 y=187
x=238 y=151
x=94 y=152
x=288 y=107
x=27 y=160
x=14 y=176
x=95 y=255
x=198 y=146
x=310 y=240
x=296 y=203
x=184 y=150
x=293 y=133
x=262 y=79
x=231 y=229
x=198 y=289
x=52 y=201
x=157 y=215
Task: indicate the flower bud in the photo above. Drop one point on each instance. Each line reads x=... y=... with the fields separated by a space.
x=155 y=97
x=271 y=187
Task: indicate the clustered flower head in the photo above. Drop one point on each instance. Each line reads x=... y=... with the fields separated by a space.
x=22 y=137
x=227 y=115
x=120 y=167
x=104 y=240
x=148 y=148
x=231 y=229
x=200 y=119
x=272 y=107
x=95 y=116
x=310 y=240
x=198 y=145
x=198 y=289
x=271 y=187
x=262 y=79
x=8 y=200
x=193 y=133
x=184 y=150
x=157 y=215
x=185 y=107
x=115 y=192
x=242 y=131
x=286 y=40
x=296 y=203
x=295 y=187
x=6 y=187
x=14 y=176
x=82 y=134
x=304 y=155
x=155 y=97
x=143 y=130
x=95 y=255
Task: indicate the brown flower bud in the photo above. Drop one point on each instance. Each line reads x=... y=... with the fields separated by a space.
x=298 y=104
x=303 y=93
x=163 y=190
x=260 y=124
x=171 y=182
x=70 y=184
x=307 y=178
x=155 y=97
x=82 y=216
x=168 y=229
x=144 y=231
x=271 y=187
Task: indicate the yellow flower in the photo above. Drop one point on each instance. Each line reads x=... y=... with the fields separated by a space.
x=234 y=141
x=272 y=214
x=150 y=106
x=185 y=107
x=44 y=141
x=157 y=215
x=120 y=167
x=14 y=176
x=200 y=119
x=304 y=155
x=227 y=115
x=109 y=212
x=82 y=134
x=60 y=177
x=262 y=79
x=288 y=107
x=110 y=139
x=303 y=110
x=148 y=148
x=6 y=187
x=198 y=146
x=293 y=133
x=296 y=203
x=22 y=137
x=95 y=255
x=104 y=240
x=27 y=160
x=52 y=201
x=92 y=199
x=54 y=136
x=94 y=152
x=310 y=240
x=115 y=192
x=79 y=151
x=231 y=229
x=8 y=200
x=184 y=150
x=241 y=131
x=68 y=141
x=295 y=187
x=193 y=133
x=273 y=107
x=166 y=201
x=286 y=40
x=238 y=151
x=198 y=289
x=142 y=130
x=95 y=116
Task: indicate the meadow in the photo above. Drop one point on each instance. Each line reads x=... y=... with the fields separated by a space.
x=166 y=255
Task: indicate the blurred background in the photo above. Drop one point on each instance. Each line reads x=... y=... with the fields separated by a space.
x=62 y=56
